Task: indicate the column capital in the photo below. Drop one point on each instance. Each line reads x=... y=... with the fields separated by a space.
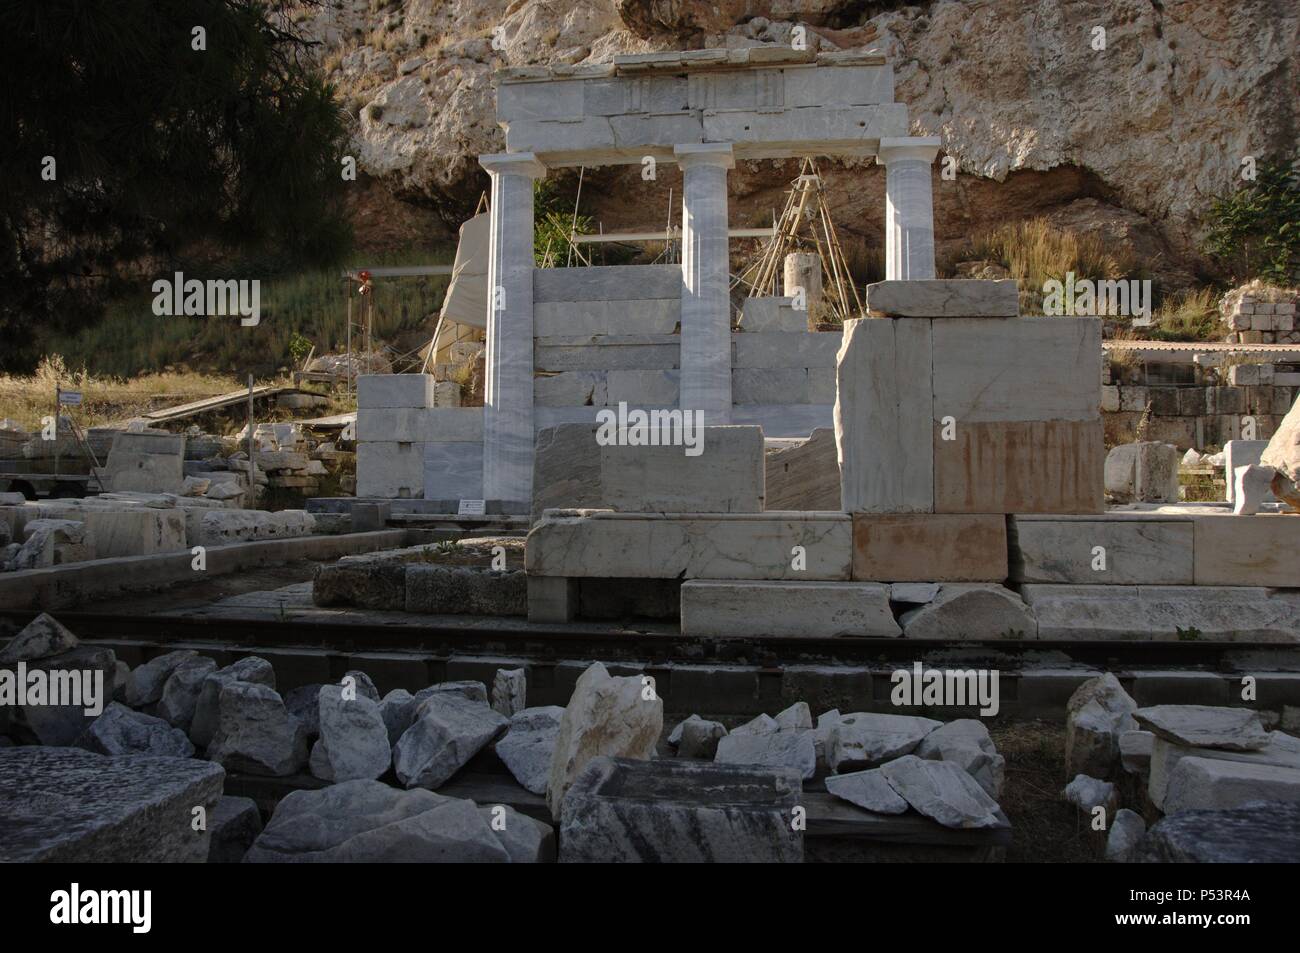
x=513 y=163
x=922 y=148
x=705 y=153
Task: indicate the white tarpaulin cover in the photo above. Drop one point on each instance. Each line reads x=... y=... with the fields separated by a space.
x=466 y=300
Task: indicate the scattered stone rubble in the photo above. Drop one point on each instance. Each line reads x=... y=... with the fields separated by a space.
x=1187 y=761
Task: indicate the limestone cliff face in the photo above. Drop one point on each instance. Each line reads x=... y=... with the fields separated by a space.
x=1143 y=131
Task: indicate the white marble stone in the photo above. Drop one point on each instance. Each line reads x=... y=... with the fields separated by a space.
x=375 y=391
x=390 y=470
x=1134 y=552
x=453 y=471
x=602 y=543
x=411 y=425
x=508 y=387
x=909 y=206
x=706 y=303
x=791 y=609
x=883 y=428
x=1242 y=453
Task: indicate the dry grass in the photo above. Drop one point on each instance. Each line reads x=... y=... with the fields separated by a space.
x=1046 y=828
x=104 y=399
x=1191 y=316
x=1034 y=251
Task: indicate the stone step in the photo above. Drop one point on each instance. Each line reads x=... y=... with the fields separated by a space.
x=792 y=609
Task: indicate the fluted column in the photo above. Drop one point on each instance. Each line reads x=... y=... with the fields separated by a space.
x=508 y=385
x=909 y=206
x=706 y=303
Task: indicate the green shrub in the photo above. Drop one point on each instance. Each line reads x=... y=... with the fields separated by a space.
x=1255 y=231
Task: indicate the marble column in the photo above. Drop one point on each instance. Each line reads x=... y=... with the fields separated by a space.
x=706 y=303
x=909 y=206
x=508 y=385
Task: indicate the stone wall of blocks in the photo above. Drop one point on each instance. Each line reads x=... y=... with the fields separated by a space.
x=1263 y=316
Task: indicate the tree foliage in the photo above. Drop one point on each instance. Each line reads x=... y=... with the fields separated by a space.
x=157 y=149
x=1255 y=231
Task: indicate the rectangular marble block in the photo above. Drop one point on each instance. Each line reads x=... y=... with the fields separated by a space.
x=772 y=314
x=409 y=425
x=1158 y=613
x=1259 y=550
x=882 y=417
x=1017 y=369
x=805 y=476
x=1052 y=466
x=572 y=470
x=785 y=420
x=944 y=298
x=642 y=388
x=601 y=543
x=1147 y=552
x=850 y=129
x=625 y=352
x=650 y=316
x=787 y=609
x=395 y=390
x=146 y=462
x=453 y=471
x=796 y=349
x=606 y=283
x=929 y=547
x=390 y=470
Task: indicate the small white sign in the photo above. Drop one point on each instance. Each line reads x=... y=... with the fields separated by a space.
x=70 y=397
x=471 y=508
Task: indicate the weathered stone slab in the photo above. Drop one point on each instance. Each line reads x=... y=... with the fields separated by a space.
x=369 y=822
x=944 y=298
x=1016 y=370
x=1242 y=453
x=1146 y=471
x=759 y=607
x=394 y=390
x=1035 y=466
x=615 y=716
x=1205 y=726
x=181 y=692
x=1262 y=833
x=64 y=805
x=774 y=133
x=803 y=476
x=601 y=543
x=1134 y=552
x=149 y=680
x=786 y=420
x=1208 y=784
x=569 y=388
x=471 y=590
x=882 y=417
x=971 y=611
x=772 y=314
x=632 y=811
x=943 y=792
x=529 y=746
x=929 y=547
x=772 y=385
x=84 y=675
x=792 y=750
x=967 y=744
x=362 y=581
x=627 y=316
x=606 y=283
x=1260 y=550
x=391 y=470
x=642 y=388
x=1161 y=612
x=608 y=353
x=420 y=425
x=1135 y=751
x=1282 y=751
x=148 y=462
x=777 y=349
x=866 y=739
x=868 y=790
